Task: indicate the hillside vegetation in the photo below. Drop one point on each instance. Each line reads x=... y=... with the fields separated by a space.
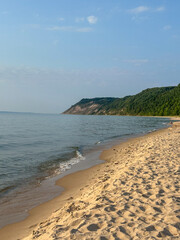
x=161 y=101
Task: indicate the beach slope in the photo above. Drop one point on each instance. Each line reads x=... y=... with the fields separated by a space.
x=133 y=195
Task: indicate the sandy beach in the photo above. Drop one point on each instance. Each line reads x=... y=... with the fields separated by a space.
x=133 y=195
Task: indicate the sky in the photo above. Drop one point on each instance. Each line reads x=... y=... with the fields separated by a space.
x=53 y=53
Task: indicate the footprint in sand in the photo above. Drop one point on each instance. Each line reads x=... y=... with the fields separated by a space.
x=103 y=238
x=150 y=228
x=157 y=209
x=142 y=208
x=93 y=227
x=110 y=208
x=164 y=233
x=73 y=231
x=123 y=230
x=177 y=225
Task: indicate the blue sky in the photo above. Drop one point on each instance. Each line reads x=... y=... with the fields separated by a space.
x=55 y=52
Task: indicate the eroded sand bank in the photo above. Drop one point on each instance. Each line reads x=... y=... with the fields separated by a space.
x=133 y=195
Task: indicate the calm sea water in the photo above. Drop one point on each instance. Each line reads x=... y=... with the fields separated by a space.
x=36 y=146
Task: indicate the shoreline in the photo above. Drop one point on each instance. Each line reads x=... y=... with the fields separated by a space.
x=33 y=196
x=16 y=205
x=73 y=189
x=35 y=215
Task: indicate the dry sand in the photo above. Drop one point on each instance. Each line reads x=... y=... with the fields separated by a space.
x=133 y=195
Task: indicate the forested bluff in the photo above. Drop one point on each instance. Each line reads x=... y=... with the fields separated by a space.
x=159 y=101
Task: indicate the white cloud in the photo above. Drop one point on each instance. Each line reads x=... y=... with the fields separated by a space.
x=92 y=19
x=69 y=29
x=167 y=27
x=160 y=9
x=79 y=19
x=139 y=9
x=137 y=15
x=142 y=9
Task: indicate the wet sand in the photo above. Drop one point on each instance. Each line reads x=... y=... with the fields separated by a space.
x=133 y=195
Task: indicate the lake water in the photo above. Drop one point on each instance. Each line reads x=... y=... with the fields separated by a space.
x=34 y=147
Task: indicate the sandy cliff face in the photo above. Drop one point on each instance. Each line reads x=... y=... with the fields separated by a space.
x=84 y=109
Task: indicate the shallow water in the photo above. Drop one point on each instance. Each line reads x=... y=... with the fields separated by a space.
x=34 y=146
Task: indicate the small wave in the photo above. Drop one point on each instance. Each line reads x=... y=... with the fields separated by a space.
x=6 y=189
x=66 y=165
x=98 y=142
x=153 y=130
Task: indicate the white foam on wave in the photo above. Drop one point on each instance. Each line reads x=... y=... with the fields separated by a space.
x=153 y=130
x=66 y=165
x=166 y=123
